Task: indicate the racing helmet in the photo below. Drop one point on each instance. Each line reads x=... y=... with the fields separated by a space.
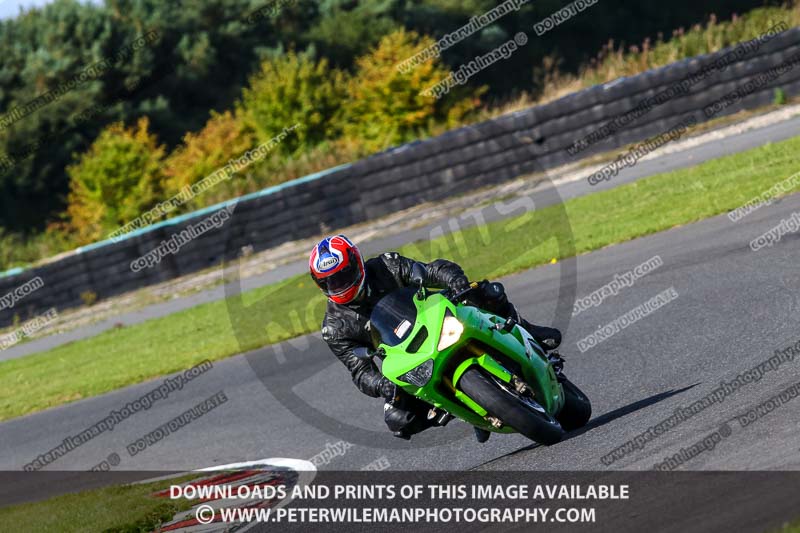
x=336 y=266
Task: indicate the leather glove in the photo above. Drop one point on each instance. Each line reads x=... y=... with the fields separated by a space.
x=389 y=390
x=460 y=283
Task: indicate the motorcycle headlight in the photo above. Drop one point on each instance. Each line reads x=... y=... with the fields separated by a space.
x=419 y=376
x=451 y=331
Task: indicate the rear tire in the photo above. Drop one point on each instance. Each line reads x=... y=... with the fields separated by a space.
x=501 y=401
x=577 y=408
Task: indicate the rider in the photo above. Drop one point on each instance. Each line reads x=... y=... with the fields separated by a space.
x=354 y=286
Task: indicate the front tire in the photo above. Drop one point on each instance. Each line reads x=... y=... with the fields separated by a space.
x=577 y=408
x=501 y=401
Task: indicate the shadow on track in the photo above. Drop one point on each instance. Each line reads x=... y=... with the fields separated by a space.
x=602 y=420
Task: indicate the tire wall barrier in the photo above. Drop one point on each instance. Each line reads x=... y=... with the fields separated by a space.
x=460 y=160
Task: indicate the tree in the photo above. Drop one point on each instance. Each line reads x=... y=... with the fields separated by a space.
x=115 y=181
x=345 y=30
x=207 y=50
x=224 y=137
x=386 y=106
x=294 y=89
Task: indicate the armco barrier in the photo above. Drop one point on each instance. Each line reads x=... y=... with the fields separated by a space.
x=482 y=154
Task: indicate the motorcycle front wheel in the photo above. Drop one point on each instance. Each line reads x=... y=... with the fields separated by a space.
x=577 y=408
x=503 y=402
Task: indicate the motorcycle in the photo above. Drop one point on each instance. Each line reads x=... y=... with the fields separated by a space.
x=468 y=363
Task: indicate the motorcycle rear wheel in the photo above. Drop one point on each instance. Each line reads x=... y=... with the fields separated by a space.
x=501 y=401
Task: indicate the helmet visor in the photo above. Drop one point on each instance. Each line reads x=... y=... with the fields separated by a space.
x=340 y=281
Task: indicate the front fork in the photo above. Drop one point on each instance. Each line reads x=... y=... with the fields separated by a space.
x=557 y=363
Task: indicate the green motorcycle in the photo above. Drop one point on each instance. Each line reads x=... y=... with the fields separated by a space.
x=471 y=364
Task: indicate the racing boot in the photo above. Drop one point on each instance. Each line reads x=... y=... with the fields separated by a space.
x=398 y=420
x=549 y=338
x=496 y=301
x=406 y=416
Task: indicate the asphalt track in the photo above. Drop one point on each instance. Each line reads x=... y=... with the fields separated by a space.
x=735 y=308
x=692 y=156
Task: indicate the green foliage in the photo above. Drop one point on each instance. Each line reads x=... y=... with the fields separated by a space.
x=37 y=53
x=294 y=89
x=207 y=51
x=114 y=182
x=88 y=298
x=203 y=56
x=17 y=250
x=779 y=97
x=346 y=30
x=614 y=62
x=386 y=107
x=223 y=138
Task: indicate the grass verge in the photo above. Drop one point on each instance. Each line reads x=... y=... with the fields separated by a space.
x=128 y=508
x=270 y=314
x=789 y=528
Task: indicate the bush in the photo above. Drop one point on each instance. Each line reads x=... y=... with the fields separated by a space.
x=386 y=107
x=613 y=62
x=117 y=179
x=327 y=155
x=88 y=298
x=224 y=137
x=17 y=249
x=779 y=96
x=294 y=89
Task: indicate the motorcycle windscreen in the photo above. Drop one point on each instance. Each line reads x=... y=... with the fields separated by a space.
x=393 y=318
